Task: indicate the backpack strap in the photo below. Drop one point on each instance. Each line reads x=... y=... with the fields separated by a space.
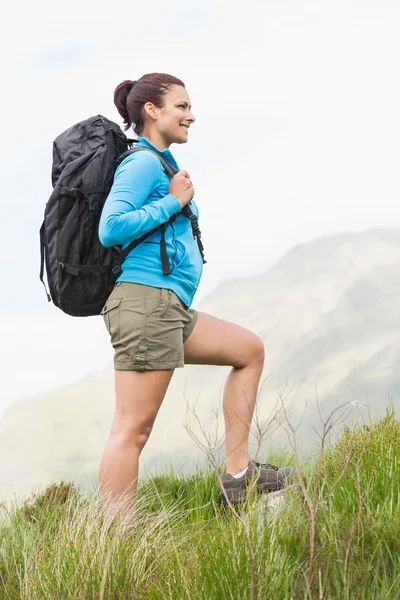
x=42 y=251
x=171 y=170
x=80 y=192
x=185 y=211
x=76 y=269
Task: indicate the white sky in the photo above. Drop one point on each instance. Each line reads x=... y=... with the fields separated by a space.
x=297 y=136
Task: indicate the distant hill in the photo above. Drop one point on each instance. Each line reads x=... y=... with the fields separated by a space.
x=329 y=316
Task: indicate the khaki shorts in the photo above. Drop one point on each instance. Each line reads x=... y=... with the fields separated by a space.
x=148 y=327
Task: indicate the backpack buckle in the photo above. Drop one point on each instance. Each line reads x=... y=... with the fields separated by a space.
x=116 y=270
x=72 y=192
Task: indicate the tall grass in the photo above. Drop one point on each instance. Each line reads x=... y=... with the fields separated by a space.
x=181 y=543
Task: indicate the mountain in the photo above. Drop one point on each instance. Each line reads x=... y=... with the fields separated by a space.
x=329 y=316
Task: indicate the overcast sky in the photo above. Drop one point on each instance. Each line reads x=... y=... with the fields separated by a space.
x=297 y=136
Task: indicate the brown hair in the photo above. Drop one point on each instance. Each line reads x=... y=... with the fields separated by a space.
x=131 y=96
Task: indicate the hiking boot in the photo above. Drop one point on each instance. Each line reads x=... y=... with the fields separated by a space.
x=268 y=479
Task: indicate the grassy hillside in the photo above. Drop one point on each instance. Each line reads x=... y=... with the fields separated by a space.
x=329 y=316
x=333 y=535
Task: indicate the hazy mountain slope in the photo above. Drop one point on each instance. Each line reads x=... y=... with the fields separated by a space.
x=329 y=316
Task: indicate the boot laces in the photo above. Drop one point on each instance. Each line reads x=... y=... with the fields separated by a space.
x=266 y=465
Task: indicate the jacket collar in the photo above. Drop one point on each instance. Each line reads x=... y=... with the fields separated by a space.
x=166 y=154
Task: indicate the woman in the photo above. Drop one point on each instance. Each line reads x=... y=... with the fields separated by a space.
x=152 y=327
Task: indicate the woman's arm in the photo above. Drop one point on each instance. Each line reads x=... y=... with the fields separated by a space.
x=124 y=218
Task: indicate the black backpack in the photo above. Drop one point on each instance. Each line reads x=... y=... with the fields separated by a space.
x=81 y=272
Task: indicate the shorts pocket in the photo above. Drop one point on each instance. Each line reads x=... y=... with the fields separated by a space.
x=153 y=299
x=111 y=315
x=167 y=304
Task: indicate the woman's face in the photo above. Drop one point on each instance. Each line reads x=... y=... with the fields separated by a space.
x=173 y=120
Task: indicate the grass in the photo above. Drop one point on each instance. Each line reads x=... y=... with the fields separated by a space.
x=181 y=543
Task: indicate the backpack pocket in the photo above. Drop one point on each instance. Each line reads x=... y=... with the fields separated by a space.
x=111 y=316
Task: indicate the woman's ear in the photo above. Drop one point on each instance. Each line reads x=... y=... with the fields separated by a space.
x=150 y=110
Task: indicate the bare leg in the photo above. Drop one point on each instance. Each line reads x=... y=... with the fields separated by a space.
x=214 y=341
x=238 y=404
x=138 y=398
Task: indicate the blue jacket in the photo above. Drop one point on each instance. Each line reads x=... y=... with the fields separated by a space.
x=139 y=201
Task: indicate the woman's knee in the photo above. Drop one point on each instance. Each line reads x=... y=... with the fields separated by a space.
x=252 y=353
x=257 y=351
x=135 y=434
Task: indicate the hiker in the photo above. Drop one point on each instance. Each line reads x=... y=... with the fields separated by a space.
x=152 y=327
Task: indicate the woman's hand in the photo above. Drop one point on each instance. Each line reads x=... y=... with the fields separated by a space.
x=182 y=188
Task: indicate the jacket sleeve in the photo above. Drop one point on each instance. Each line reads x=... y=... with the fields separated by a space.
x=124 y=217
